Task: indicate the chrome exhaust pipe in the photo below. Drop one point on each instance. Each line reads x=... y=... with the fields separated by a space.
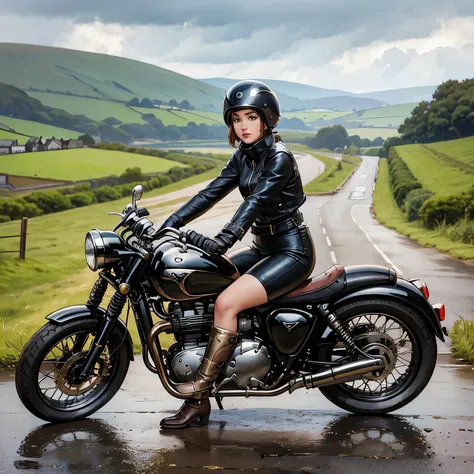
x=343 y=373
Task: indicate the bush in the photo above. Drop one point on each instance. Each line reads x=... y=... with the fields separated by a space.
x=18 y=208
x=48 y=202
x=402 y=180
x=443 y=209
x=131 y=175
x=106 y=193
x=4 y=219
x=82 y=199
x=165 y=180
x=414 y=201
x=462 y=231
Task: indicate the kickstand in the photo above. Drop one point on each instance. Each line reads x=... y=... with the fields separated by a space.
x=219 y=403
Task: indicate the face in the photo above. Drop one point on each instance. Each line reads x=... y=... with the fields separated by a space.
x=247 y=125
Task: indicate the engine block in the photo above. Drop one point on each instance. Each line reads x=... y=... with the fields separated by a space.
x=191 y=325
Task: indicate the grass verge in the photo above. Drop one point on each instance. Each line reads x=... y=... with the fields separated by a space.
x=388 y=214
x=54 y=274
x=462 y=337
x=333 y=176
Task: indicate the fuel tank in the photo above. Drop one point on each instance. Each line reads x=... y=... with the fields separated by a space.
x=181 y=275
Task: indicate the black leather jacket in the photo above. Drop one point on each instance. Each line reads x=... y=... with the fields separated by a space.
x=269 y=181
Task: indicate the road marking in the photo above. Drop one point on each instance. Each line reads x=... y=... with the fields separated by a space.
x=328 y=241
x=324 y=231
x=376 y=247
x=333 y=257
x=320 y=220
x=363 y=176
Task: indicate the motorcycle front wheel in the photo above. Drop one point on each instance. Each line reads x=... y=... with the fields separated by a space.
x=394 y=330
x=46 y=374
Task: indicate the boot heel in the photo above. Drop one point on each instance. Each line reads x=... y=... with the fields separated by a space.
x=203 y=420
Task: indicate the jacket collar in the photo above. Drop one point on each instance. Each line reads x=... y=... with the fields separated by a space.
x=255 y=150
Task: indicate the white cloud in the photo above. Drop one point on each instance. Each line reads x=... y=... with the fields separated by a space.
x=96 y=37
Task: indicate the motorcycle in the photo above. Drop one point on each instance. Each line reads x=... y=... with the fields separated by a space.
x=361 y=334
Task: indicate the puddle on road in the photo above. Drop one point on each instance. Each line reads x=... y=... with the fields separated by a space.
x=236 y=439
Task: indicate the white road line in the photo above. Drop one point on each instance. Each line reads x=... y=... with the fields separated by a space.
x=328 y=241
x=320 y=220
x=324 y=230
x=376 y=247
x=333 y=257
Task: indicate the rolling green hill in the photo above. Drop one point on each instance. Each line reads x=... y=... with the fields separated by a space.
x=33 y=129
x=42 y=69
x=392 y=115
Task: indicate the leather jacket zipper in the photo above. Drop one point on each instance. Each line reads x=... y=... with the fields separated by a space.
x=253 y=170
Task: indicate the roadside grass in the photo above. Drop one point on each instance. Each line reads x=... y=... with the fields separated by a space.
x=88 y=163
x=462 y=337
x=54 y=273
x=446 y=172
x=37 y=129
x=389 y=215
x=332 y=177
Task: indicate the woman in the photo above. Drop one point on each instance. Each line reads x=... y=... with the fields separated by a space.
x=282 y=254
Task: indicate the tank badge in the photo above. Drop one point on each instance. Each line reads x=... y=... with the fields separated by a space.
x=290 y=326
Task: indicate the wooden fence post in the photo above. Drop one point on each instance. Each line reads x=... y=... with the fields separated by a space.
x=24 y=223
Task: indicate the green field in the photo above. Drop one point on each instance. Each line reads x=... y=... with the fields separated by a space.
x=36 y=129
x=451 y=172
x=80 y=164
x=372 y=133
x=4 y=135
x=389 y=214
x=313 y=115
x=95 y=109
x=393 y=114
x=177 y=117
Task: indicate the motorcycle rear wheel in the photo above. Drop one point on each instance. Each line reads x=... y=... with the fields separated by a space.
x=51 y=356
x=419 y=368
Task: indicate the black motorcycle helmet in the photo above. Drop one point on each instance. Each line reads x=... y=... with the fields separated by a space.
x=254 y=95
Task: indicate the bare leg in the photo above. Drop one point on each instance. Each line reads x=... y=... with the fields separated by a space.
x=246 y=292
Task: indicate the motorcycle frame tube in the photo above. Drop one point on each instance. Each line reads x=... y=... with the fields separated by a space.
x=327 y=377
x=74 y=313
x=403 y=291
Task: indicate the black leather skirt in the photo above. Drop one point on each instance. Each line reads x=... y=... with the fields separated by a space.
x=280 y=262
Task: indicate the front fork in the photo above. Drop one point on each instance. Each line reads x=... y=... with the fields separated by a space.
x=114 y=309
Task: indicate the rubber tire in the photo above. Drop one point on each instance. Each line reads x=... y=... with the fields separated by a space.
x=35 y=351
x=425 y=339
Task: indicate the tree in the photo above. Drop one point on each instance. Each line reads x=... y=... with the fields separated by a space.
x=173 y=103
x=185 y=104
x=86 y=139
x=147 y=103
x=330 y=137
x=133 y=102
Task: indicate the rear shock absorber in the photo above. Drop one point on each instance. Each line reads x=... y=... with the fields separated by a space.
x=340 y=330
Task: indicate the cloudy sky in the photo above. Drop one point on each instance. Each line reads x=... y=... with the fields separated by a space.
x=355 y=45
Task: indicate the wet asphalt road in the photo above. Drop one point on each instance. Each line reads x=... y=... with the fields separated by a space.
x=302 y=432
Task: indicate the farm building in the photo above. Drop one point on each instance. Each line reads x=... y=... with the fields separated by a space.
x=6 y=146
x=68 y=144
x=52 y=144
x=34 y=144
x=17 y=149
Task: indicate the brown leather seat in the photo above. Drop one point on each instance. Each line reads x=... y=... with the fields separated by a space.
x=318 y=282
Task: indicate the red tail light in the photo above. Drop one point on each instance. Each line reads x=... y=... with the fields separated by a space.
x=422 y=287
x=440 y=311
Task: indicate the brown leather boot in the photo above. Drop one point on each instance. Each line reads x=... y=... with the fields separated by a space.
x=220 y=347
x=191 y=410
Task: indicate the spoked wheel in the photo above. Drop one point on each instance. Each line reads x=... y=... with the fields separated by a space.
x=47 y=374
x=404 y=339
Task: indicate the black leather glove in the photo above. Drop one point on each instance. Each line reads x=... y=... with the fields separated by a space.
x=173 y=221
x=216 y=246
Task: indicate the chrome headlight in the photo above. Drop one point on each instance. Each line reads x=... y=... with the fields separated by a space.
x=104 y=248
